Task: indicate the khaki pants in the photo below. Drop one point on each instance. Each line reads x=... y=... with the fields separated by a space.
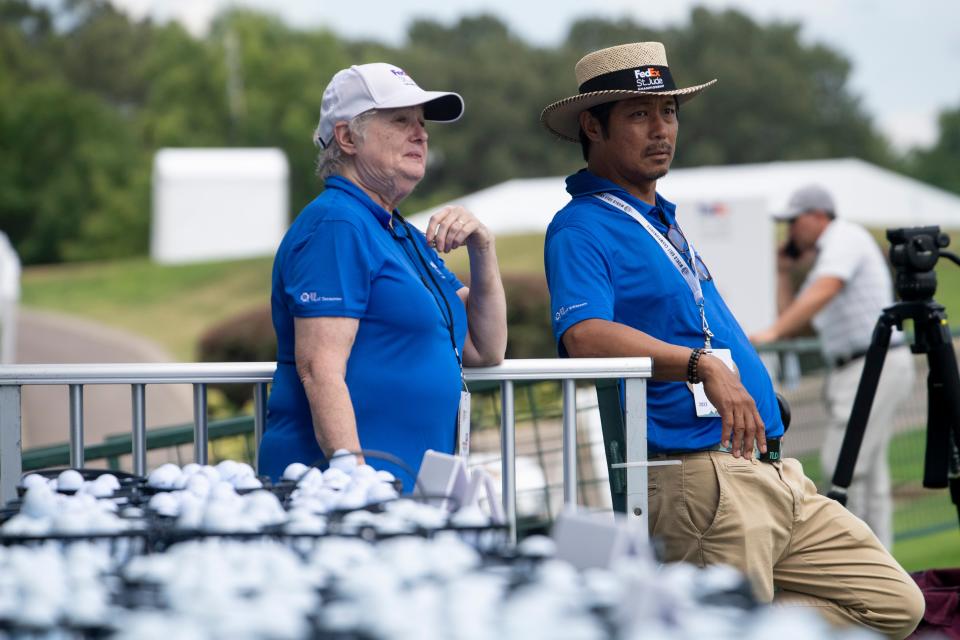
x=798 y=548
x=869 y=496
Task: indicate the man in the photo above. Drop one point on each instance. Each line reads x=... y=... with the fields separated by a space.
x=843 y=295
x=624 y=281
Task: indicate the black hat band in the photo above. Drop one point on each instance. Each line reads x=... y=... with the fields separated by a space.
x=646 y=78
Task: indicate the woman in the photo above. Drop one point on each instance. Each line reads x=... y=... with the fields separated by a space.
x=372 y=329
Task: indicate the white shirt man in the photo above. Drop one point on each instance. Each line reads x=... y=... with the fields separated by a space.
x=843 y=296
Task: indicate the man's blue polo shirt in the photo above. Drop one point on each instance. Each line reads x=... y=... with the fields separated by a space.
x=340 y=258
x=601 y=263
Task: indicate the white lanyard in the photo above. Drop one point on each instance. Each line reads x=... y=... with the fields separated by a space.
x=691 y=276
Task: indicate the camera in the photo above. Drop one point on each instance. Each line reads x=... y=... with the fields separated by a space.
x=914 y=253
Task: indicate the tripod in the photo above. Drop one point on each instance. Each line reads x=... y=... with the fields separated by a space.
x=914 y=253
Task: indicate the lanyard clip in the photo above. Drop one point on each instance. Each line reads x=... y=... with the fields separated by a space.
x=707 y=334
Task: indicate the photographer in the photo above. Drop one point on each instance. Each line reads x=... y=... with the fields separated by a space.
x=846 y=290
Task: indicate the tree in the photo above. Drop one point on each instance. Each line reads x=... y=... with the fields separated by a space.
x=505 y=84
x=66 y=158
x=940 y=164
x=281 y=74
x=776 y=99
x=67 y=163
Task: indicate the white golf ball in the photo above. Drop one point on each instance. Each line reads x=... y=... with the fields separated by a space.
x=198 y=485
x=108 y=480
x=294 y=471
x=246 y=483
x=164 y=477
x=165 y=504
x=336 y=478
x=69 y=480
x=343 y=460
x=33 y=480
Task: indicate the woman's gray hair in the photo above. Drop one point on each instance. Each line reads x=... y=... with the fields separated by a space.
x=331 y=159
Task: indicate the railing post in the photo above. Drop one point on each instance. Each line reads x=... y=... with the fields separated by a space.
x=259 y=419
x=508 y=454
x=11 y=464
x=200 y=432
x=138 y=402
x=635 y=434
x=76 y=426
x=569 y=443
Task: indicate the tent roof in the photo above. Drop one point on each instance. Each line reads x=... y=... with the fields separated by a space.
x=863 y=193
x=220 y=163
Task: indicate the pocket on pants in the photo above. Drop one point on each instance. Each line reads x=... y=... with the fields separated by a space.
x=700 y=492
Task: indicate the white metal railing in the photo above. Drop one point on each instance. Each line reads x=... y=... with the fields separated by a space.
x=76 y=376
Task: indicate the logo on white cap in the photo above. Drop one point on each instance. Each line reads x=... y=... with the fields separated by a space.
x=400 y=73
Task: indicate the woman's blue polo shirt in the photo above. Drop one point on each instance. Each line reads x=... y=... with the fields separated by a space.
x=603 y=264
x=341 y=258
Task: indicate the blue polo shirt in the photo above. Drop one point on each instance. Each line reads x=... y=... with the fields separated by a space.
x=601 y=263
x=341 y=258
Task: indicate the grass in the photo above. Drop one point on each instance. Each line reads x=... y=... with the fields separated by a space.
x=934 y=551
x=172 y=305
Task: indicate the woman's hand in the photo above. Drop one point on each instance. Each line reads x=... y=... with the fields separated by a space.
x=453 y=227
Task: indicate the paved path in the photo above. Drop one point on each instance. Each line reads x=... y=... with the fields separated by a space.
x=48 y=338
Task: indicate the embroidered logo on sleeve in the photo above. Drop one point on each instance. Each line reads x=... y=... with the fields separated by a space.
x=562 y=311
x=313 y=296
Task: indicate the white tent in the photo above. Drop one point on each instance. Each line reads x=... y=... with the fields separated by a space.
x=863 y=193
x=9 y=299
x=217 y=204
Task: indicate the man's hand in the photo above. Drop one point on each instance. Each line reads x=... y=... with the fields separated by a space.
x=737 y=409
x=764 y=337
x=791 y=258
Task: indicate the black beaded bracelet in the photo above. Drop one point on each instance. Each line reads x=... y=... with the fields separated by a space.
x=693 y=376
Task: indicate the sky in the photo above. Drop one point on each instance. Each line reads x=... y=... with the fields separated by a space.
x=905 y=55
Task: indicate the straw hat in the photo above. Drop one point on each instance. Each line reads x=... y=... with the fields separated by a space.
x=612 y=74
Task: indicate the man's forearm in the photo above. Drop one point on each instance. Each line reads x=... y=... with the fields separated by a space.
x=596 y=338
x=801 y=311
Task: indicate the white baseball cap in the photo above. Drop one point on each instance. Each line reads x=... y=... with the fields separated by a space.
x=379 y=85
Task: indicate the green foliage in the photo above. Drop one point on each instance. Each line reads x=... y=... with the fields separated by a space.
x=72 y=180
x=499 y=136
x=95 y=94
x=68 y=166
x=245 y=337
x=940 y=164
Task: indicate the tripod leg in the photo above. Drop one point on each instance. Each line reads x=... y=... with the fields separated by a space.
x=943 y=410
x=942 y=462
x=866 y=390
